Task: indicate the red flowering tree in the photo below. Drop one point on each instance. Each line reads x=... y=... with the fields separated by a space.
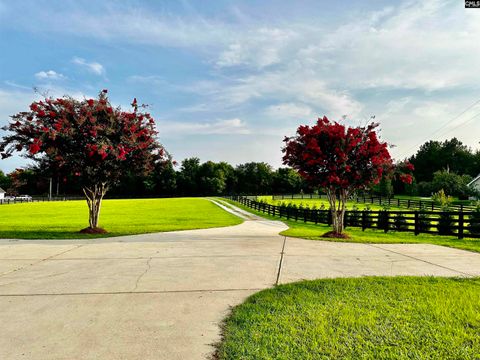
x=338 y=159
x=89 y=139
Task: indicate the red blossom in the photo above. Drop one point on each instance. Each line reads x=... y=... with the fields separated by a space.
x=35 y=146
x=331 y=155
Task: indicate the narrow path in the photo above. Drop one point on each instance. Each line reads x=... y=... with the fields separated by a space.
x=162 y=296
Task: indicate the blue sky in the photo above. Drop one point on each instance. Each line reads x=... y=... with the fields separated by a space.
x=226 y=80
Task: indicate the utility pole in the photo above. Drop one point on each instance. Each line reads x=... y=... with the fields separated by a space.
x=50 y=190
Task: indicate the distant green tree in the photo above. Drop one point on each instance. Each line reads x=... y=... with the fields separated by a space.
x=188 y=176
x=5 y=181
x=451 y=154
x=254 y=178
x=451 y=183
x=287 y=181
x=384 y=187
x=212 y=178
x=162 y=181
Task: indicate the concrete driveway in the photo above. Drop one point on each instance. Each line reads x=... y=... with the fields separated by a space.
x=162 y=296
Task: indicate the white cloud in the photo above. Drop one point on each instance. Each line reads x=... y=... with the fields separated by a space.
x=259 y=48
x=224 y=127
x=49 y=75
x=289 y=85
x=94 y=67
x=411 y=63
x=290 y=111
x=148 y=79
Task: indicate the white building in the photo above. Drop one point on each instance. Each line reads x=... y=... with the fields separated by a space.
x=2 y=194
x=475 y=183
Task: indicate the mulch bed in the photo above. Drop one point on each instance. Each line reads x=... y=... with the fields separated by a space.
x=333 y=234
x=94 y=231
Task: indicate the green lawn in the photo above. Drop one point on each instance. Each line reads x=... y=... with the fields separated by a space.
x=314 y=232
x=63 y=220
x=362 y=318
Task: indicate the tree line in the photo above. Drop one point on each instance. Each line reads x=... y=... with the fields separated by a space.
x=439 y=165
x=449 y=165
x=190 y=178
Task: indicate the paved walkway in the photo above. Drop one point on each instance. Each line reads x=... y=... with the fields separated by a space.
x=162 y=296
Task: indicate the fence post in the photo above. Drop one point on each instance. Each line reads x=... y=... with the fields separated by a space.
x=408 y=204
x=398 y=202
x=364 y=220
x=460 y=225
x=387 y=221
x=433 y=206
x=417 y=224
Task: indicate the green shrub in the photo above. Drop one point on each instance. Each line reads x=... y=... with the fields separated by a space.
x=442 y=199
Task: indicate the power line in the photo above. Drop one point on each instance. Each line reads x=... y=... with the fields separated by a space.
x=460 y=125
x=442 y=127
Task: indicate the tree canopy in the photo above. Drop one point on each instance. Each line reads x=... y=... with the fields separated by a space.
x=340 y=160
x=89 y=139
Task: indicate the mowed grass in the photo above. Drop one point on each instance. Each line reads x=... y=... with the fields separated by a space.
x=361 y=318
x=311 y=231
x=63 y=220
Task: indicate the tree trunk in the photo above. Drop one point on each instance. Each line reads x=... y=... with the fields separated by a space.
x=337 y=200
x=94 y=197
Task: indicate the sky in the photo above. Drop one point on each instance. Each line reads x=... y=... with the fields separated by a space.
x=227 y=80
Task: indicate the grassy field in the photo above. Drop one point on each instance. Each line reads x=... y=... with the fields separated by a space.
x=63 y=220
x=314 y=232
x=319 y=202
x=362 y=318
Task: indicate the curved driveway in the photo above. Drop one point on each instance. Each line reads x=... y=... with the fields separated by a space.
x=162 y=296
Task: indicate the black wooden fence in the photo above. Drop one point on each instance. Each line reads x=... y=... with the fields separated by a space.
x=384 y=201
x=39 y=199
x=454 y=223
x=410 y=203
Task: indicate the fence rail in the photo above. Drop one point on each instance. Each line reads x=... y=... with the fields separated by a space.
x=384 y=201
x=39 y=199
x=410 y=203
x=454 y=223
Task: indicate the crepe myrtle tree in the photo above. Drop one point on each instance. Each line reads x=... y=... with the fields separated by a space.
x=340 y=160
x=88 y=139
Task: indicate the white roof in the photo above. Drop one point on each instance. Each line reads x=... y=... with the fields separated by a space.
x=2 y=191
x=474 y=180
